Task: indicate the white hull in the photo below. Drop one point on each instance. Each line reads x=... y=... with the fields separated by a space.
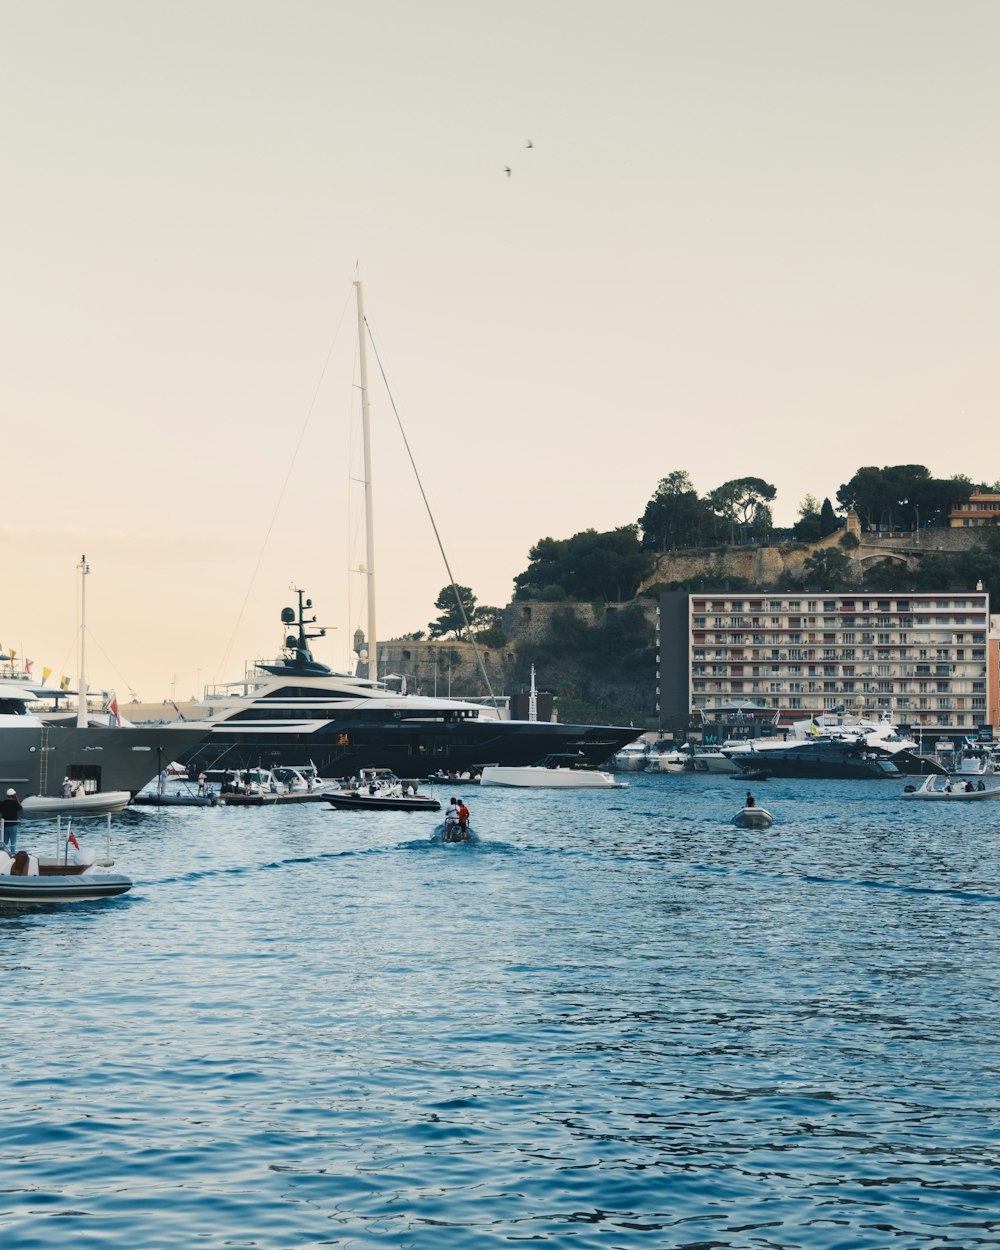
x=935 y=794
x=100 y=804
x=710 y=762
x=754 y=818
x=669 y=762
x=549 y=778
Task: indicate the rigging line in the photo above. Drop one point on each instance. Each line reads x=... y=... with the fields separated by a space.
x=284 y=487
x=423 y=493
x=128 y=684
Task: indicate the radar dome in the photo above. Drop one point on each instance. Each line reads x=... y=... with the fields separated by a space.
x=287 y=616
x=291 y=641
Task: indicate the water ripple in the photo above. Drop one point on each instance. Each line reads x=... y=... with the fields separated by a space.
x=610 y=1024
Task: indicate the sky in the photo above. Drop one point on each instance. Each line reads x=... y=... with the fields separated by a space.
x=748 y=238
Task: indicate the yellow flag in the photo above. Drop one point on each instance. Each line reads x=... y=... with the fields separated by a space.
x=63 y=683
x=46 y=674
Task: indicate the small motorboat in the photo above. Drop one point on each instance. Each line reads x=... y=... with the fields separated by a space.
x=753 y=818
x=451 y=836
x=49 y=881
x=380 y=790
x=98 y=804
x=951 y=791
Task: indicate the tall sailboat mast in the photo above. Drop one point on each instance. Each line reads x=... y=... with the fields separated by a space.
x=369 y=524
x=81 y=699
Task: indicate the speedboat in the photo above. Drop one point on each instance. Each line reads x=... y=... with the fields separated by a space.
x=754 y=818
x=944 y=791
x=552 y=771
x=379 y=789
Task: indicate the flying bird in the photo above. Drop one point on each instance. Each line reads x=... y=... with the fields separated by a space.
x=506 y=170
x=529 y=144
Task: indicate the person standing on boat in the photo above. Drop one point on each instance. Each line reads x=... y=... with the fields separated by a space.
x=451 y=820
x=463 y=821
x=10 y=811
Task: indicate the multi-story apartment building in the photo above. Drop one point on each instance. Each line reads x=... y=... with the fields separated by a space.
x=981 y=508
x=923 y=659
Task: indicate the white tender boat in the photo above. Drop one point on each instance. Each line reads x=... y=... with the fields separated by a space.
x=98 y=804
x=941 y=790
x=552 y=771
x=754 y=818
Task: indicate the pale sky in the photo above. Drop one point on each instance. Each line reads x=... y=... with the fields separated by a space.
x=750 y=238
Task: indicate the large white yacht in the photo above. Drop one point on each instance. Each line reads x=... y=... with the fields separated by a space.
x=40 y=746
x=298 y=710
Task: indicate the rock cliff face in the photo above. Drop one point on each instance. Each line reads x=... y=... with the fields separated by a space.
x=763 y=566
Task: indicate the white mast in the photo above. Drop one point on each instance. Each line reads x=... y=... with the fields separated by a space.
x=81 y=704
x=532 y=698
x=369 y=524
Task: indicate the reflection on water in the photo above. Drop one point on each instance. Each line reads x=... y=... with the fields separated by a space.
x=618 y=1021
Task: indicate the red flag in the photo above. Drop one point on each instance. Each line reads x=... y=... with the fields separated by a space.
x=113 y=709
x=71 y=839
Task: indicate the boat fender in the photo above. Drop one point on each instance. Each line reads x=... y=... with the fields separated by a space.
x=5 y=863
x=32 y=865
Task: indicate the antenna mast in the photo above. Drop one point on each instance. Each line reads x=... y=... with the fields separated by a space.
x=81 y=703
x=369 y=523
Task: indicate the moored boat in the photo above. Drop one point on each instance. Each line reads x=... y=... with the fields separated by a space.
x=552 y=771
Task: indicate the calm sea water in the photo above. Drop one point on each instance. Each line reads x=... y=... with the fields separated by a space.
x=618 y=1022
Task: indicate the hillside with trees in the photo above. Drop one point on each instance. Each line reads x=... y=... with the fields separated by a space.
x=602 y=668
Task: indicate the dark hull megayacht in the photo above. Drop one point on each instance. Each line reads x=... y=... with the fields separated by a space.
x=411 y=745
x=298 y=710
